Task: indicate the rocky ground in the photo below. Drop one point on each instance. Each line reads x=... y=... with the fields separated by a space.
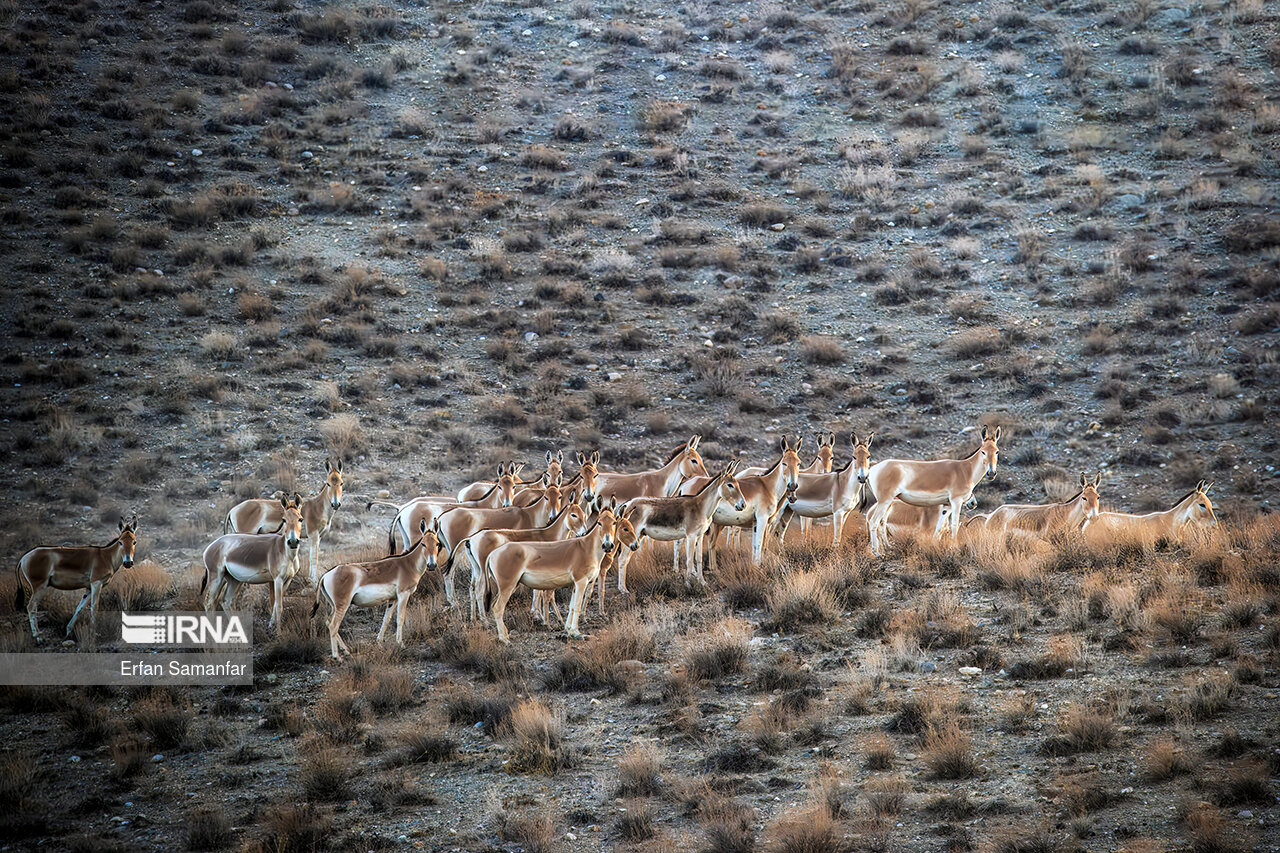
x=244 y=238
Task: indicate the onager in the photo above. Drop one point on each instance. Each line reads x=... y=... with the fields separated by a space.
x=1193 y=511
x=932 y=483
x=683 y=463
x=86 y=567
x=571 y=520
x=1040 y=520
x=682 y=518
x=552 y=565
x=390 y=581
x=261 y=515
x=459 y=523
x=508 y=479
x=250 y=558
x=832 y=495
x=430 y=507
x=763 y=497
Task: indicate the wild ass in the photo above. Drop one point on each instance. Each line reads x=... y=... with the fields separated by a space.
x=262 y=515
x=86 y=567
x=390 y=581
x=552 y=565
x=1193 y=511
x=929 y=483
x=252 y=558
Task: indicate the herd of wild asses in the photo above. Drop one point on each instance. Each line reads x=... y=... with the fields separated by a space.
x=555 y=531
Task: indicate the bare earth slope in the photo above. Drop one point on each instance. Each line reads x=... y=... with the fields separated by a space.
x=241 y=238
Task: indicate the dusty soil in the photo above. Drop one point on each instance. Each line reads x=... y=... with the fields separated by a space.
x=244 y=238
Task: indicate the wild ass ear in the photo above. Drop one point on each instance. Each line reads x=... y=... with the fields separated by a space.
x=1097 y=481
x=693 y=442
x=133 y=525
x=799 y=442
x=853 y=439
x=595 y=457
x=120 y=526
x=548 y=457
x=582 y=458
x=297 y=500
x=997 y=435
x=328 y=466
x=869 y=438
x=560 y=456
x=984 y=432
x=1208 y=486
x=1084 y=481
x=339 y=465
x=516 y=468
x=422 y=527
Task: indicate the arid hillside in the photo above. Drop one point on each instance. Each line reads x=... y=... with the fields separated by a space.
x=242 y=238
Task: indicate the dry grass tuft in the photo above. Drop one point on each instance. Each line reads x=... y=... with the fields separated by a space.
x=812 y=830
x=948 y=752
x=801 y=598
x=721 y=651
x=639 y=771
x=1166 y=760
x=536 y=733
x=1083 y=729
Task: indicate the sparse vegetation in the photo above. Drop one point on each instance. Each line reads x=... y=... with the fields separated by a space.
x=241 y=239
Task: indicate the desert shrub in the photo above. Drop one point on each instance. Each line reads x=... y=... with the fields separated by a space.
x=536 y=733
x=639 y=771
x=719 y=652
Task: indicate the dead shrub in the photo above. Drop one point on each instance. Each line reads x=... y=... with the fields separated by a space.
x=721 y=651
x=536 y=733
x=948 y=752
x=822 y=350
x=640 y=772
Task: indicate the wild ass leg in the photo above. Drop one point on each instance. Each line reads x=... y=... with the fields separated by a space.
x=277 y=607
x=386 y=620
x=83 y=601
x=402 y=601
x=499 y=608
x=314 y=565
x=575 y=607
x=32 y=603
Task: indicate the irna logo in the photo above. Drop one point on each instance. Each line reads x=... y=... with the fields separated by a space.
x=183 y=629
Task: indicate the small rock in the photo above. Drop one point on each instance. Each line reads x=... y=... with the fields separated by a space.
x=778 y=226
x=530 y=337
x=970 y=671
x=157 y=758
x=307 y=155
x=928 y=666
x=75 y=759
x=569 y=836
x=196 y=152
x=613 y=376
x=1245 y=813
